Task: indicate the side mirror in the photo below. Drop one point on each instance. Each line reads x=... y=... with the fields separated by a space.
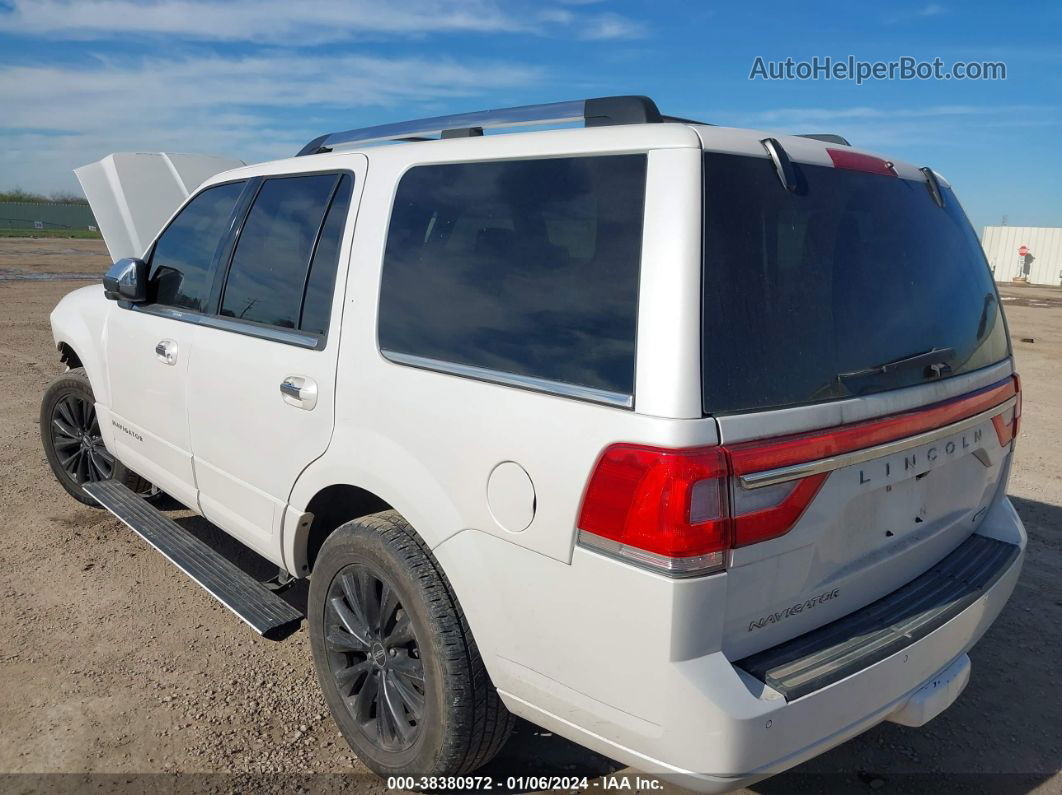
x=127 y=281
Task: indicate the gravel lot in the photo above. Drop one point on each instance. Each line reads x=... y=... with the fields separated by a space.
x=113 y=662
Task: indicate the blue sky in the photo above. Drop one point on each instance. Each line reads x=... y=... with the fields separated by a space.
x=256 y=79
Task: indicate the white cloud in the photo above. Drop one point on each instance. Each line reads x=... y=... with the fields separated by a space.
x=294 y=23
x=921 y=130
x=277 y=21
x=255 y=108
x=804 y=115
x=610 y=26
x=931 y=10
x=909 y=14
x=252 y=94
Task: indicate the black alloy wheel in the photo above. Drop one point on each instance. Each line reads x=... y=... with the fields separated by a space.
x=374 y=657
x=75 y=434
x=73 y=444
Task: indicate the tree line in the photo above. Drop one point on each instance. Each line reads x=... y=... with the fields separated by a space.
x=58 y=197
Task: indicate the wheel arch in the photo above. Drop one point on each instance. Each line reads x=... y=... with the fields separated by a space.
x=332 y=506
x=68 y=356
x=379 y=476
x=78 y=322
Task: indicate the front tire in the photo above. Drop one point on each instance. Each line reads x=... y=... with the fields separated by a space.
x=73 y=445
x=394 y=656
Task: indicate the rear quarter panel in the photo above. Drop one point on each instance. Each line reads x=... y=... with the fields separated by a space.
x=427 y=442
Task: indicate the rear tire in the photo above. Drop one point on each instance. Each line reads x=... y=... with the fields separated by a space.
x=72 y=441
x=394 y=655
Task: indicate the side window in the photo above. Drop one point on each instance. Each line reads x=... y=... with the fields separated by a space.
x=527 y=268
x=317 y=303
x=270 y=264
x=181 y=264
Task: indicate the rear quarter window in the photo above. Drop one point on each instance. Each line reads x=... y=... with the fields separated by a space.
x=527 y=268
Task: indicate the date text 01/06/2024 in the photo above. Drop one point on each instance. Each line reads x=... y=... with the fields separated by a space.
x=522 y=783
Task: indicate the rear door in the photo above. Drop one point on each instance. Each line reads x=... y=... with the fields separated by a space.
x=854 y=356
x=149 y=347
x=262 y=384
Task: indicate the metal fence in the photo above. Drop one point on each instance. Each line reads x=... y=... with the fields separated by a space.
x=45 y=215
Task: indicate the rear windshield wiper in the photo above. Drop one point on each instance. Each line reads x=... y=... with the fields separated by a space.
x=934 y=359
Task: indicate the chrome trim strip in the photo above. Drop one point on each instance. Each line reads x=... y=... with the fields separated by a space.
x=770 y=477
x=288 y=337
x=675 y=568
x=512 y=379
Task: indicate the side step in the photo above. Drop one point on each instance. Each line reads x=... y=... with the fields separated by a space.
x=262 y=610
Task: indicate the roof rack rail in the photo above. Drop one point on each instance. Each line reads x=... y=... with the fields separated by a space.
x=829 y=138
x=597 y=112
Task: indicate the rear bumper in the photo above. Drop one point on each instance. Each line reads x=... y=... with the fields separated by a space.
x=717 y=728
x=846 y=646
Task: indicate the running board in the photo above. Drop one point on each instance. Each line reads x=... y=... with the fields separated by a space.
x=261 y=609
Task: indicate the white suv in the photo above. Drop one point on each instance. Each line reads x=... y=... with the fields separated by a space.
x=689 y=444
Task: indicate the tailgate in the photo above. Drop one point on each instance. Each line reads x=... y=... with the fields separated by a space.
x=897 y=495
x=856 y=359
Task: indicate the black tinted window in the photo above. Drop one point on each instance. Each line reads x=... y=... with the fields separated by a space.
x=807 y=293
x=523 y=267
x=268 y=270
x=317 y=305
x=181 y=265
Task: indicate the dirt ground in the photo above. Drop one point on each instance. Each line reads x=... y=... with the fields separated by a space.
x=113 y=662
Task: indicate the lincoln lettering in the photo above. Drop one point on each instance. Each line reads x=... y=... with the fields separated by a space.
x=885 y=469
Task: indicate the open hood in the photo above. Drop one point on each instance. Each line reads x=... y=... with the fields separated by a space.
x=132 y=194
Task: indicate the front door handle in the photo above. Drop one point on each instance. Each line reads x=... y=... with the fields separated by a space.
x=166 y=351
x=299 y=391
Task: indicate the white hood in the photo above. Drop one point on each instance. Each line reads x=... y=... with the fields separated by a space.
x=132 y=194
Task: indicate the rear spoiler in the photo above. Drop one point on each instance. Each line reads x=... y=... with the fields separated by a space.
x=132 y=194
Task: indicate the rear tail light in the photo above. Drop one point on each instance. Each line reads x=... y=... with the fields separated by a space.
x=1008 y=423
x=1017 y=405
x=670 y=510
x=678 y=512
x=665 y=509
x=776 y=520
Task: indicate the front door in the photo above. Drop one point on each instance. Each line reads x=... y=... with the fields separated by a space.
x=148 y=348
x=261 y=385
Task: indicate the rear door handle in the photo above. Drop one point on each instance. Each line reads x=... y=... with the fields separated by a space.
x=299 y=391
x=166 y=351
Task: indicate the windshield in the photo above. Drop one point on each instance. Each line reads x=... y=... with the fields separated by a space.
x=808 y=295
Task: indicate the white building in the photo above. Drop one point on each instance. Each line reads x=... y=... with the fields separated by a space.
x=1042 y=263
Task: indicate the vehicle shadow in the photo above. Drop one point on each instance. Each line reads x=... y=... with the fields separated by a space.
x=1003 y=735
x=534 y=752
x=236 y=553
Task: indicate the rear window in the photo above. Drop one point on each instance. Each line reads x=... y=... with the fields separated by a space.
x=525 y=269
x=807 y=294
